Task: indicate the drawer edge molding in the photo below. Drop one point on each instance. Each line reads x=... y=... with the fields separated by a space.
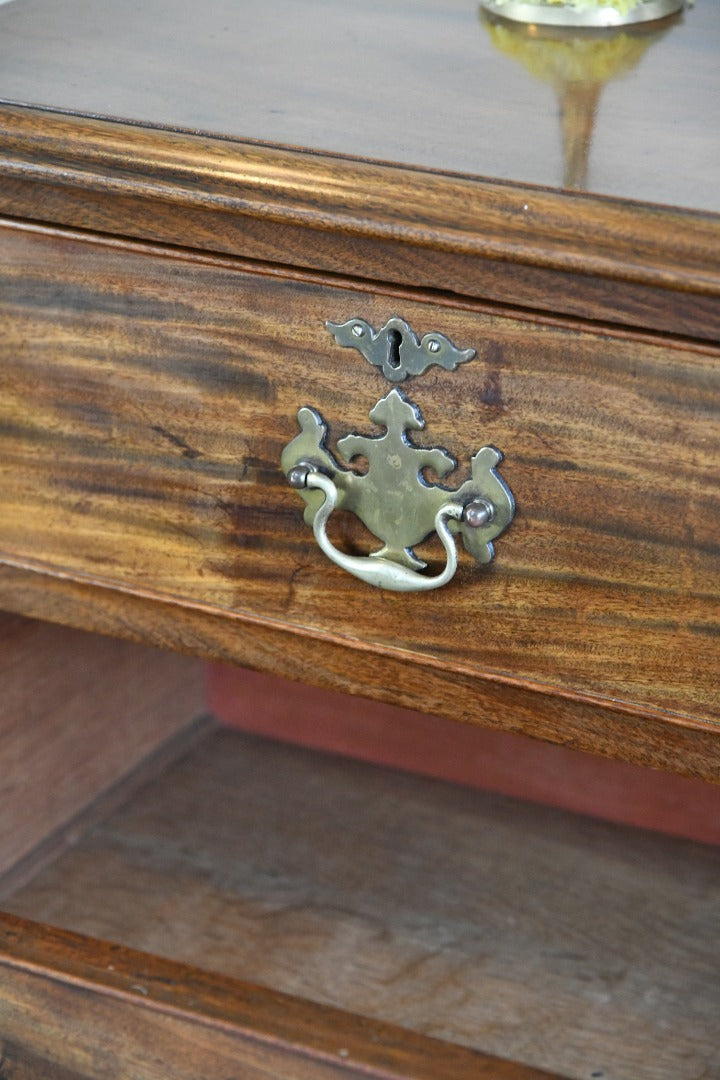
x=687 y=745
x=129 y=1000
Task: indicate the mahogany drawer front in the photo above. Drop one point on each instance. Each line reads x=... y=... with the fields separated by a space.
x=146 y=399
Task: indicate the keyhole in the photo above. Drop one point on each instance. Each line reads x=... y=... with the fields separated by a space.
x=394 y=341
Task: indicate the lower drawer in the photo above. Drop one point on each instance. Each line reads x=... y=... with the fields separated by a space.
x=145 y=401
x=448 y=924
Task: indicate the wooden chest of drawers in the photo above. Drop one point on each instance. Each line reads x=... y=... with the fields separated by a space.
x=176 y=234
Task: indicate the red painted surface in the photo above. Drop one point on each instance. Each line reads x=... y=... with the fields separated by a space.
x=493 y=760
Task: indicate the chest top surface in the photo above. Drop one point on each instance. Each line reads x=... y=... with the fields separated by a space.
x=426 y=83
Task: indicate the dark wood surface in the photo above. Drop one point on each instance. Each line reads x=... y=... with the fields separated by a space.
x=77 y=1009
x=146 y=401
x=568 y=944
x=426 y=83
x=566 y=253
x=51 y=839
x=142 y=418
x=77 y=713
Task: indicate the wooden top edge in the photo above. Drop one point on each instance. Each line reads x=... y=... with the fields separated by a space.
x=646 y=244
x=210 y=139
x=352 y=1043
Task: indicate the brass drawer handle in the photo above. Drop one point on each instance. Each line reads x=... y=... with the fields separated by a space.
x=374 y=569
x=393 y=499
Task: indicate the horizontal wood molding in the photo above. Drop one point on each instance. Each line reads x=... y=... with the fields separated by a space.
x=647 y=266
x=676 y=743
x=66 y=998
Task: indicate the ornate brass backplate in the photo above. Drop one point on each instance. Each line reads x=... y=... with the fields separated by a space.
x=392 y=497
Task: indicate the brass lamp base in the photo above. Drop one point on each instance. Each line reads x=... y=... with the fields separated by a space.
x=580 y=12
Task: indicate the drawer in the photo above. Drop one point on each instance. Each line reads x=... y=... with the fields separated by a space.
x=147 y=396
x=303 y=917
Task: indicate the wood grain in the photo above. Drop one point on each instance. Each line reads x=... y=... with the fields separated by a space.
x=146 y=401
x=72 y=1009
x=568 y=944
x=662 y=741
x=508 y=243
x=77 y=713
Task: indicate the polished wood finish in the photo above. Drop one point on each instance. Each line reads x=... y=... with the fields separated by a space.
x=565 y=943
x=77 y=713
x=145 y=457
x=167 y=261
x=674 y=743
x=70 y=1005
x=428 y=84
x=499 y=761
x=462 y=235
